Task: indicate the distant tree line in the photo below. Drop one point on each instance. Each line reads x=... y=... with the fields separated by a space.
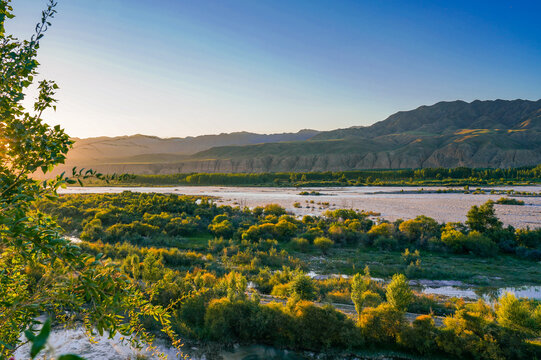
x=429 y=176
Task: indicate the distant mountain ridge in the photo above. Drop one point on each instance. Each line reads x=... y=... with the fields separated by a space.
x=447 y=117
x=499 y=133
x=153 y=148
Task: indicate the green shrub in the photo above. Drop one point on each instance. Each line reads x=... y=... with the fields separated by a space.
x=398 y=293
x=321 y=328
x=509 y=201
x=323 y=243
x=381 y=324
x=420 y=336
x=386 y=243
x=303 y=288
x=300 y=244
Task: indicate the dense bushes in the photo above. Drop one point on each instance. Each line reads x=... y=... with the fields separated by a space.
x=133 y=217
x=164 y=220
x=216 y=292
x=472 y=331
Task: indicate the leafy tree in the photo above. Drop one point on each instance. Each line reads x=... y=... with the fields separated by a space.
x=381 y=324
x=421 y=336
x=399 y=294
x=222 y=228
x=517 y=315
x=420 y=229
x=152 y=269
x=358 y=287
x=236 y=286
x=41 y=272
x=321 y=328
x=383 y=229
x=453 y=238
x=303 y=288
x=483 y=218
x=274 y=209
x=132 y=266
x=362 y=292
x=473 y=242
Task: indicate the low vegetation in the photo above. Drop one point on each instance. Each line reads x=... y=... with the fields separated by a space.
x=183 y=266
x=509 y=201
x=199 y=259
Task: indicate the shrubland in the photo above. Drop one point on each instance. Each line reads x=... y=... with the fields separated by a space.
x=186 y=267
x=234 y=275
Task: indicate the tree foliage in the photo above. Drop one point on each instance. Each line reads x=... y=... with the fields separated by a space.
x=483 y=218
x=40 y=271
x=399 y=294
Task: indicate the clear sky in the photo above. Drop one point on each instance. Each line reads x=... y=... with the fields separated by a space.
x=190 y=67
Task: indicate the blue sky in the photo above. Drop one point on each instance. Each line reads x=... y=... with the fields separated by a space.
x=179 y=68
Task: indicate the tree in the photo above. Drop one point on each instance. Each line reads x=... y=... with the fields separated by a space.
x=40 y=271
x=420 y=229
x=223 y=228
x=274 y=209
x=399 y=294
x=236 y=286
x=483 y=218
x=381 y=324
x=132 y=265
x=302 y=288
x=421 y=336
x=358 y=287
x=517 y=315
x=152 y=269
x=383 y=229
x=362 y=293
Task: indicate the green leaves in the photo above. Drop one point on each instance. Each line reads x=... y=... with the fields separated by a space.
x=39 y=341
x=40 y=272
x=70 y=357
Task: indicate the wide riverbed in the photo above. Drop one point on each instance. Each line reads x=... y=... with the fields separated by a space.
x=391 y=202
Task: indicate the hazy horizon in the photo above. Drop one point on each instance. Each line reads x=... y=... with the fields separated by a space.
x=200 y=68
x=278 y=132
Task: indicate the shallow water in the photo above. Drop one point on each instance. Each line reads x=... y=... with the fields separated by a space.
x=390 y=202
x=485 y=293
x=454 y=288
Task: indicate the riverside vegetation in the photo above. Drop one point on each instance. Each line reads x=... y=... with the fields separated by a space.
x=199 y=258
x=408 y=177
x=182 y=265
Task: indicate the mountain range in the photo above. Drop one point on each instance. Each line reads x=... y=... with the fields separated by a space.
x=499 y=133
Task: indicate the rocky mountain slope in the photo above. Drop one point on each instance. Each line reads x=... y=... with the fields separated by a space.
x=448 y=134
x=493 y=134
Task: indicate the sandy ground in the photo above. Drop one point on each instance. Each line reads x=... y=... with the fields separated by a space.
x=388 y=201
